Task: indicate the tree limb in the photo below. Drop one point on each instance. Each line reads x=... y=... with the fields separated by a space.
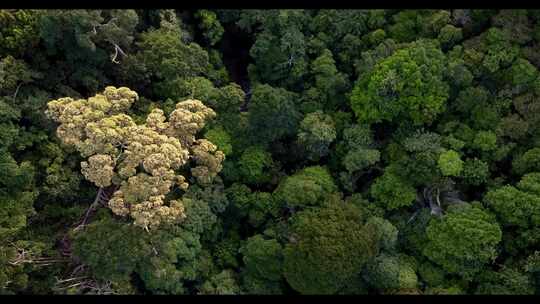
x=16 y=91
x=117 y=50
x=92 y=206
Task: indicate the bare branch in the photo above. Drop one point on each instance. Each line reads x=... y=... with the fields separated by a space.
x=16 y=91
x=92 y=207
x=291 y=60
x=117 y=50
x=413 y=216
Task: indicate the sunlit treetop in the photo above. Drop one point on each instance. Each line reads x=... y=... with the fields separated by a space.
x=139 y=160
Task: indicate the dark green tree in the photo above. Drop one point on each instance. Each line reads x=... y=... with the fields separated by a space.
x=328 y=246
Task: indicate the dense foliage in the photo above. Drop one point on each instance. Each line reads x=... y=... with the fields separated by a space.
x=269 y=151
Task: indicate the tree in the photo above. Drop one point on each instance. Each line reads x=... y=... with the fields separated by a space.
x=507 y=281
x=17 y=199
x=264 y=263
x=449 y=35
x=116 y=147
x=390 y=273
x=90 y=27
x=223 y=283
x=19 y=33
x=179 y=256
x=210 y=26
x=360 y=148
x=166 y=59
x=431 y=274
x=13 y=74
x=86 y=42
x=475 y=172
x=111 y=249
x=527 y=162
x=528 y=107
x=392 y=192
x=328 y=80
x=272 y=114
x=513 y=126
x=532 y=267
x=317 y=132
x=518 y=207
x=258 y=207
x=450 y=164
x=328 y=247
x=16 y=202
x=458 y=72
x=254 y=165
x=523 y=74
x=221 y=138
x=384 y=232
x=485 y=141
x=17 y=189
x=225 y=99
x=279 y=49
x=354 y=141
x=500 y=51
x=464 y=240
x=419 y=164
x=308 y=187
x=407 y=85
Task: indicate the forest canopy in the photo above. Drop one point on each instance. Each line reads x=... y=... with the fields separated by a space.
x=273 y=152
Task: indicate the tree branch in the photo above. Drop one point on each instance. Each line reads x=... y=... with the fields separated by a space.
x=117 y=50
x=16 y=91
x=92 y=206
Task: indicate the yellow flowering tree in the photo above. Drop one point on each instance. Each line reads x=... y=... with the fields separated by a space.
x=139 y=162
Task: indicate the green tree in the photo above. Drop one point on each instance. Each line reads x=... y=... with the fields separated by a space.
x=359 y=145
x=279 y=50
x=19 y=31
x=485 y=141
x=392 y=192
x=407 y=85
x=308 y=187
x=328 y=247
x=254 y=165
x=210 y=26
x=384 y=232
x=223 y=283
x=475 y=172
x=220 y=138
x=390 y=273
x=164 y=58
x=86 y=42
x=272 y=114
x=527 y=162
x=328 y=80
x=111 y=249
x=450 y=163
x=17 y=195
x=464 y=241
x=264 y=264
x=507 y=281
x=316 y=133
x=518 y=207
x=177 y=262
x=500 y=51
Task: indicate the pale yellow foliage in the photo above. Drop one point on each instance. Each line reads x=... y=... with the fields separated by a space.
x=98 y=169
x=208 y=159
x=187 y=119
x=141 y=160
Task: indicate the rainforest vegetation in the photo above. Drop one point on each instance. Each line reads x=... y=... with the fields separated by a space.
x=213 y=152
